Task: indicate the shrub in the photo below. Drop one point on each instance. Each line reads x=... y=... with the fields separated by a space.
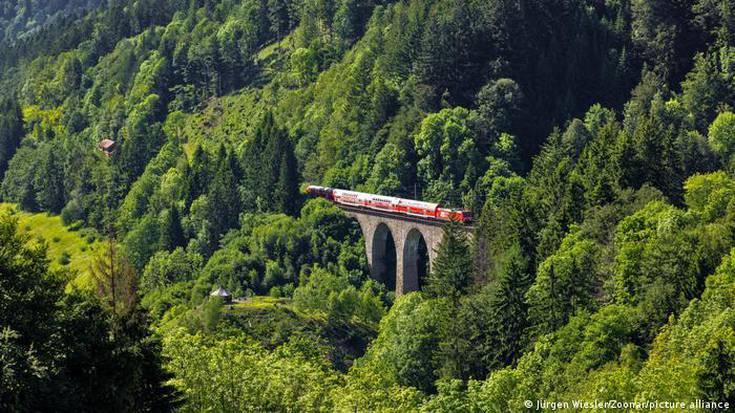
x=72 y=213
x=65 y=258
x=722 y=135
x=275 y=292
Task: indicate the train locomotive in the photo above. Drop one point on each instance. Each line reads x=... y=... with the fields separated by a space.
x=390 y=204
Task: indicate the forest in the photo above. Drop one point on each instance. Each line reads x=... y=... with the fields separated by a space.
x=593 y=140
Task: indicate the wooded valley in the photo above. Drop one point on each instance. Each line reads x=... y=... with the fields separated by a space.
x=593 y=140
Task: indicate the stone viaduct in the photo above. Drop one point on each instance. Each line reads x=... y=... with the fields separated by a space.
x=408 y=234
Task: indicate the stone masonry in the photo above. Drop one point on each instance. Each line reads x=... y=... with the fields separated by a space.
x=406 y=236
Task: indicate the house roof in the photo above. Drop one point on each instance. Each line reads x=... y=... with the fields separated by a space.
x=220 y=292
x=106 y=144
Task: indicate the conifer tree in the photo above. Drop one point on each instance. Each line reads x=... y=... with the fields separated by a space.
x=115 y=279
x=278 y=17
x=172 y=234
x=11 y=131
x=599 y=176
x=509 y=309
x=286 y=194
x=223 y=200
x=451 y=271
x=49 y=182
x=198 y=174
x=269 y=170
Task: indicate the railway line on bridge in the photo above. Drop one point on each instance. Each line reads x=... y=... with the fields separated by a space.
x=415 y=228
x=402 y=217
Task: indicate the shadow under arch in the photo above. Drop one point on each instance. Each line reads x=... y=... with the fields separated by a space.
x=415 y=261
x=384 y=257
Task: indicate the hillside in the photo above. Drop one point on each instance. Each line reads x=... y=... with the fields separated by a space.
x=593 y=140
x=80 y=247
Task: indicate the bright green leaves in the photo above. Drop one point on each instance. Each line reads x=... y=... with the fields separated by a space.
x=653 y=244
x=150 y=79
x=565 y=283
x=390 y=170
x=500 y=104
x=710 y=195
x=447 y=148
x=722 y=136
x=451 y=273
x=692 y=357
x=235 y=374
x=408 y=346
x=334 y=296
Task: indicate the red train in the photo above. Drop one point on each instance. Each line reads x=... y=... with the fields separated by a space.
x=390 y=204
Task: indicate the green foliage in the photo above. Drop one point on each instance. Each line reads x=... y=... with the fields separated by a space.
x=722 y=136
x=272 y=250
x=270 y=175
x=49 y=341
x=340 y=301
x=166 y=268
x=142 y=241
x=223 y=202
x=171 y=232
x=450 y=273
x=565 y=283
x=238 y=375
x=11 y=131
x=507 y=318
x=17 y=186
x=72 y=213
x=707 y=85
x=446 y=146
x=65 y=258
x=60 y=239
x=220 y=109
x=407 y=347
x=500 y=104
x=212 y=313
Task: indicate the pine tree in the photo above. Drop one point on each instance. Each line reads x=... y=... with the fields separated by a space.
x=71 y=75
x=509 y=309
x=11 y=131
x=49 y=182
x=172 y=234
x=198 y=175
x=115 y=279
x=269 y=170
x=286 y=196
x=599 y=176
x=251 y=161
x=451 y=271
x=223 y=199
x=278 y=17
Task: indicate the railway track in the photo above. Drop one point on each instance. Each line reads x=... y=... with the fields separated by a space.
x=401 y=217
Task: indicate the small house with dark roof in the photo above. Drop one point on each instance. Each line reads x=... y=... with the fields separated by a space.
x=107 y=146
x=221 y=292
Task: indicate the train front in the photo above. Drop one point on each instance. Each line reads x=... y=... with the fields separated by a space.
x=322 y=191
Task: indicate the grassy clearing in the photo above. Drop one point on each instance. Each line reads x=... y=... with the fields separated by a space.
x=263 y=303
x=274 y=321
x=259 y=302
x=67 y=249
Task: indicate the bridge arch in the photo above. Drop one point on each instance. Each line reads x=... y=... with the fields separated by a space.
x=415 y=263
x=383 y=250
x=399 y=250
